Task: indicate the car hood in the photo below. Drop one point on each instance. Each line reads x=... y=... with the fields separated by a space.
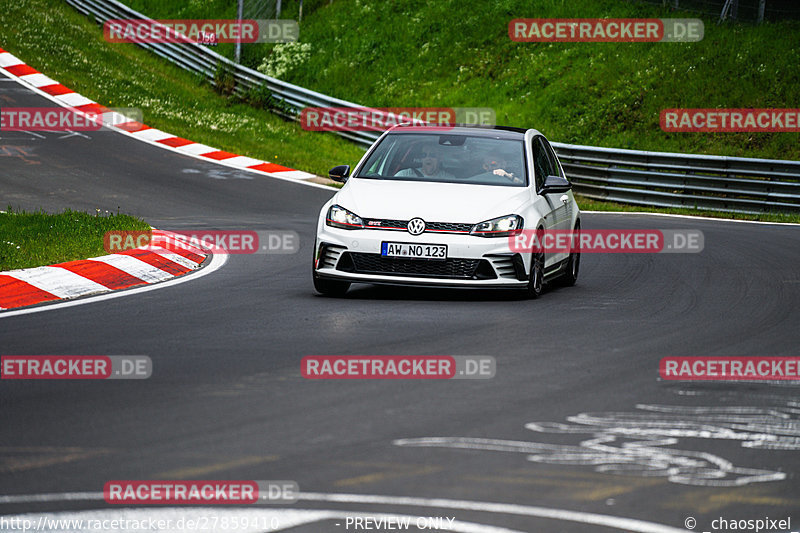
x=433 y=202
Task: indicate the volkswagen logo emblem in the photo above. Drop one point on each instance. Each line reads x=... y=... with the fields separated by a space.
x=416 y=226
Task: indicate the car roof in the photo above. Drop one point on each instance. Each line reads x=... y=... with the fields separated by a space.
x=495 y=132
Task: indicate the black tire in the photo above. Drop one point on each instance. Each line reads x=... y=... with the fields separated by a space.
x=536 y=276
x=327 y=287
x=330 y=287
x=570 y=276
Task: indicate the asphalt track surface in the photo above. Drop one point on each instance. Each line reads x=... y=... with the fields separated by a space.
x=226 y=399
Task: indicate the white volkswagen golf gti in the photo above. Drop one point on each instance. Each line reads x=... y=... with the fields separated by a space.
x=430 y=207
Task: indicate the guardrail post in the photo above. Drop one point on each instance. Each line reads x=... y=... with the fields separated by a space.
x=238 y=53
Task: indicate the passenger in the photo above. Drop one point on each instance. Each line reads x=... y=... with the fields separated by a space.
x=431 y=161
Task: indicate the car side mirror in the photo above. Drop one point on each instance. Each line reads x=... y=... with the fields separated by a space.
x=555 y=184
x=340 y=173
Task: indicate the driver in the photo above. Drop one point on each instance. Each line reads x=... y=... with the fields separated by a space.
x=497 y=165
x=431 y=165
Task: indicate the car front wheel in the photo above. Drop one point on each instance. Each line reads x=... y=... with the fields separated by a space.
x=573 y=265
x=328 y=287
x=536 y=277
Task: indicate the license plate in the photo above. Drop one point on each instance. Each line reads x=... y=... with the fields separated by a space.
x=414 y=251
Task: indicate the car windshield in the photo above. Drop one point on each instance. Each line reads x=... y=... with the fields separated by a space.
x=447 y=158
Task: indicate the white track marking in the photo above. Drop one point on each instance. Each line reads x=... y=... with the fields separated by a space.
x=197 y=149
x=243 y=161
x=135 y=267
x=38 y=80
x=297 y=174
x=216 y=263
x=73 y=99
x=153 y=134
x=615 y=522
x=636 y=443
x=52 y=497
x=112 y=117
x=9 y=60
x=172 y=256
x=57 y=281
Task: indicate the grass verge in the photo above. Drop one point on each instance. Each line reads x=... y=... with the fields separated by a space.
x=457 y=53
x=37 y=239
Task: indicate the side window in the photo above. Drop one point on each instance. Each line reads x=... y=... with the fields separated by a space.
x=543 y=166
x=558 y=170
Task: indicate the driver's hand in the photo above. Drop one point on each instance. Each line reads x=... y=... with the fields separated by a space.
x=510 y=176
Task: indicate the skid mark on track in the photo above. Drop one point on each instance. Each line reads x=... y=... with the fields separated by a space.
x=638 y=443
x=391 y=471
x=197 y=471
x=590 y=490
x=702 y=501
x=23 y=458
x=21 y=152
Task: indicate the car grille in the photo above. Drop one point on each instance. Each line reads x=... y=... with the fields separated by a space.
x=448 y=227
x=433 y=227
x=451 y=268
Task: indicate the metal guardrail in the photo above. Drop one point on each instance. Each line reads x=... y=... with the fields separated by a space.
x=647 y=178
x=201 y=60
x=681 y=180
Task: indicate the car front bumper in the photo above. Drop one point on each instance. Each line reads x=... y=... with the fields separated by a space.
x=354 y=255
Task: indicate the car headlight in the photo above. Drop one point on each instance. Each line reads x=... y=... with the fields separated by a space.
x=499 y=227
x=339 y=217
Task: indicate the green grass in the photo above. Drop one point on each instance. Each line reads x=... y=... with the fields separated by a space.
x=54 y=38
x=457 y=53
x=36 y=239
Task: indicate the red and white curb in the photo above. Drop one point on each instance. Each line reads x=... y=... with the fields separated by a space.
x=140 y=266
x=66 y=97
